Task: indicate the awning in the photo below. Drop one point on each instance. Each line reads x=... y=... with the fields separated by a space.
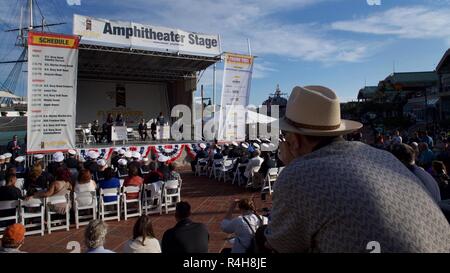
x=110 y=63
x=6 y=94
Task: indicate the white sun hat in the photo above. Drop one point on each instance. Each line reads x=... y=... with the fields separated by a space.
x=20 y=159
x=315 y=111
x=136 y=155
x=38 y=156
x=163 y=158
x=202 y=145
x=244 y=145
x=128 y=154
x=93 y=155
x=121 y=151
x=265 y=147
x=2 y=157
x=101 y=162
x=58 y=157
x=122 y=162
x=234 y=143
x=72 y=152
x=256 y=145
x=8 y=155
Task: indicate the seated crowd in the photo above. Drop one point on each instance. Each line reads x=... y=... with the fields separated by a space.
x=70 y=173
x=253 y=158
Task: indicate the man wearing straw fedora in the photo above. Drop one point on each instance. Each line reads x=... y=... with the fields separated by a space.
x=339 y=196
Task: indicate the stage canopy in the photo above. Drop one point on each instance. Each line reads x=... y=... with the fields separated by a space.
x=111 y=63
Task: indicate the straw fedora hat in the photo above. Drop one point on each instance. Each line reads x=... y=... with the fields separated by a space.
x=315 y=111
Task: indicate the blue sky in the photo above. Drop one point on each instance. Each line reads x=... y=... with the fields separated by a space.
x=337 y=43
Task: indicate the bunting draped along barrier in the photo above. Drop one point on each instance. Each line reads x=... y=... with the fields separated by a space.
x=172 y=151
x=105 y=153
x=143 y=150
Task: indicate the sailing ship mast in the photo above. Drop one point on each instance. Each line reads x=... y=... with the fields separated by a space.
x=12 y=79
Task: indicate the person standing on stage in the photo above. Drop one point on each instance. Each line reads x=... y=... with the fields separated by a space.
x=14 y=147
x=160 y=119
x=108 y=126
x=95 y=128
x=153 y=130
x=142 y=129
x=120 y=120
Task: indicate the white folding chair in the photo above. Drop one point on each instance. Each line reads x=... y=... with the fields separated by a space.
x=19 y=184
x=126 y=201
x=271 y=177
x=215 y=168
x=86 y=202
x=226 y=168
x=152 y=200
x=88 y=137
x=202 y=167
x=280 y=169
x=58 y=223
x=238 y=174
x=110 y=214
x=5 y=207
x=30 y=211
x=171 y=195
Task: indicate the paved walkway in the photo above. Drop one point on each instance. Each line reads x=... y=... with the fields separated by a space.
x=209 y=200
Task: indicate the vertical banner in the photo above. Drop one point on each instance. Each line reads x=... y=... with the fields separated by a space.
x=237 y=77
x=52 y=91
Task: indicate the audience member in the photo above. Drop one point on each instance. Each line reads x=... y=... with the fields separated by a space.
x=144 y=239
x=95 y=237
x=59 y=187
x=134 y=180
x=186 y=236
x=243 y=226
x=327 y=178
x=406 y=155
x=85 y=184
x=110 y=182
x=443 y=180
x=13 y=239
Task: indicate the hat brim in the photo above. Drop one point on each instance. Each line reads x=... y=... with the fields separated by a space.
x=347 y=126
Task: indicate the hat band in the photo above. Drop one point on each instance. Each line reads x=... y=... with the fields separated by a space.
x=312 y=127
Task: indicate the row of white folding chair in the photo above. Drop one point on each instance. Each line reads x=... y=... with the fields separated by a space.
x=25 y=211
x=271 y=177
x=214 y=170
x=226 y=169
x=84 y=201
x=201 y=168
x=238 y=174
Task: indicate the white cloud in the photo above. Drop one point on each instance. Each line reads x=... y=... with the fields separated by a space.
x=74 y=2
x=416 y=22
x=237 y=20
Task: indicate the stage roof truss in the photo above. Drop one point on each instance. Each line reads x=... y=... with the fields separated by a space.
x=109 y=63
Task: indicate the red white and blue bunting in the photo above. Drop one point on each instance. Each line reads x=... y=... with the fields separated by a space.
x=193 y=148
x=172 y=151
x=105 y=153
x=143 y=150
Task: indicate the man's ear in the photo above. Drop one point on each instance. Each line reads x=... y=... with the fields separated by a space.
x=297 y=145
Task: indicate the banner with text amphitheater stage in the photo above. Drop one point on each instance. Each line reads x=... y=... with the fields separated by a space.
x=237 y=77
x=145 y=37
x=52 y=91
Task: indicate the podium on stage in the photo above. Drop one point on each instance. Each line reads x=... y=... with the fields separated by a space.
x=163 y=132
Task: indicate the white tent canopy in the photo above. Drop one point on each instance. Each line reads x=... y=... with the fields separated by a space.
x=6 y=94
x=251 y=117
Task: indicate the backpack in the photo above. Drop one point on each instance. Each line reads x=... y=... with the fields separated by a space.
x=251 y=249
